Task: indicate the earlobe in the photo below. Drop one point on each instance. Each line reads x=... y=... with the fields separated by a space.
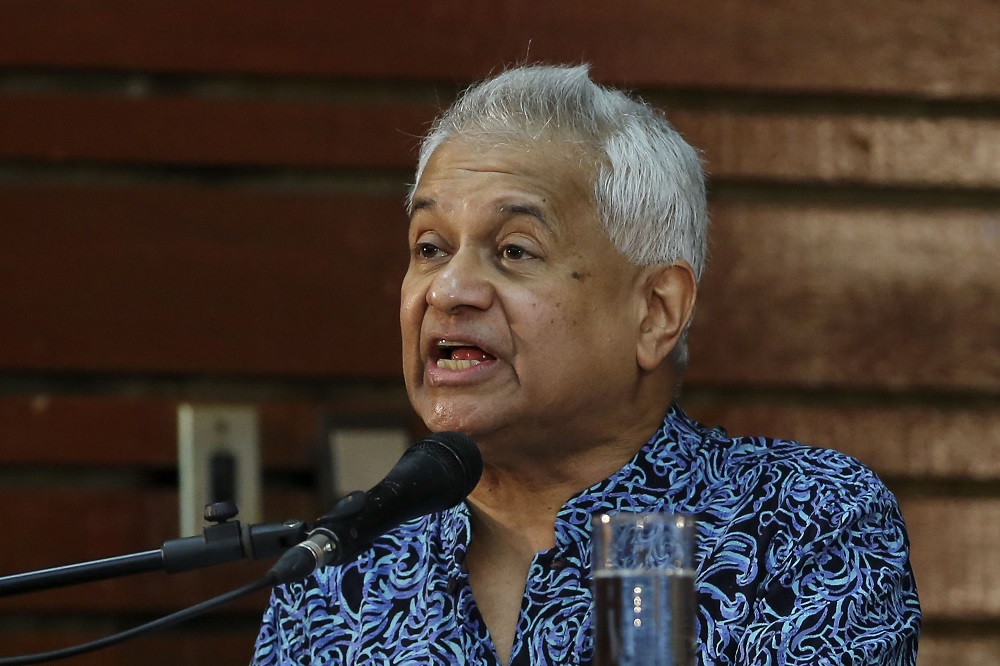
x=670 y=292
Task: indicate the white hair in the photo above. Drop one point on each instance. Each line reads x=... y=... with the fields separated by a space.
x=649 y=186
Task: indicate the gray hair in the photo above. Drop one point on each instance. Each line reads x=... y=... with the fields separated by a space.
x=649 y=187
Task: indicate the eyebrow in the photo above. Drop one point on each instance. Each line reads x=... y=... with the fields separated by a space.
x=420 y=204
x=530 y=210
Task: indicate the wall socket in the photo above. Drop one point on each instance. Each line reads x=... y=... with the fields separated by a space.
x=218 y=451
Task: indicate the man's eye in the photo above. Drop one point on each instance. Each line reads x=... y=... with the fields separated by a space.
x=513 y=252
x=427 y=250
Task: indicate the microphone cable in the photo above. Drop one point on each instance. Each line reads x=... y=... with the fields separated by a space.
x=134 y=632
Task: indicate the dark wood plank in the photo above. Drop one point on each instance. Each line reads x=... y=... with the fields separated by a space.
x=895 y=47
x=114 y=432
x=69 y=431
x=850 y=296
x=869 y=149
x=216 y=131
x=954 y=556
x=845 y=148
x=200 y=280
x=898 y=441
x=937 y=650
x=86 y=431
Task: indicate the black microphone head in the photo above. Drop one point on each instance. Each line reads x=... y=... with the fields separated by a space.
x=435 y=474
x=458 y=454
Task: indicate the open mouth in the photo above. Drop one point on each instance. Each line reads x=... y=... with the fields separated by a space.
x=457 y=355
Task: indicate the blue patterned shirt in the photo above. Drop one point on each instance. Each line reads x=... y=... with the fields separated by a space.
x=802 y=558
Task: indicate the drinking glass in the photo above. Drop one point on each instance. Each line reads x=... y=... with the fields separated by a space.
x=643 y=584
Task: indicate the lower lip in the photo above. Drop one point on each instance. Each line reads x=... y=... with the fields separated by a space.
x=438 y=376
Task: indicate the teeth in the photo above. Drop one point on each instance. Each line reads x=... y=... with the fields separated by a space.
x=451 y=343
x=449 y=364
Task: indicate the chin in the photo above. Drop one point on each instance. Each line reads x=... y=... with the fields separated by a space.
x=462 y=416
x=437 y=422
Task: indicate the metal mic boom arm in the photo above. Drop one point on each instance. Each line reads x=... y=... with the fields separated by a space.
x=224 y=541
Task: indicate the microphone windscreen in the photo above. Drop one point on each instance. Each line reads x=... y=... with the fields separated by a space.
x=458 y=455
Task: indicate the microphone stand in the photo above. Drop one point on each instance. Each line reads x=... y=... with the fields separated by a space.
x=450 y=460
x=225 y=540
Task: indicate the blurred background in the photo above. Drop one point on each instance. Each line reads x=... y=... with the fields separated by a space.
x=201 y=205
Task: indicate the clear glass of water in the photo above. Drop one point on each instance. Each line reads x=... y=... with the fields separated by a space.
x=643 y=584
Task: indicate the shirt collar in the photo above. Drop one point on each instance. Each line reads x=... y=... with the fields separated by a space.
x=648 y=482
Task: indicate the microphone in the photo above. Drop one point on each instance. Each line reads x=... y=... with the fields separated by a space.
x=434 y=474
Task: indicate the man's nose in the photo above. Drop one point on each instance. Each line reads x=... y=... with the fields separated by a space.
x=463 y=282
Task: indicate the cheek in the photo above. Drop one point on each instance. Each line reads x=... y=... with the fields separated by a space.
x=411 y=310
x=411 y=299
x=527 y=313
x=544 y=323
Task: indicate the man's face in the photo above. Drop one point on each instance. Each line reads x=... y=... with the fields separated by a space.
x=518 y=315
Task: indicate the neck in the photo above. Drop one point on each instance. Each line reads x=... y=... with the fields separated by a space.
x=518 y=500
x=530 y=470
x=512 y=510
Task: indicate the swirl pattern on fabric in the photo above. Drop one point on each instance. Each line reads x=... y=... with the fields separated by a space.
x=802 y=558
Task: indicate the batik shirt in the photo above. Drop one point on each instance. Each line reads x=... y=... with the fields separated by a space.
x=802 y=558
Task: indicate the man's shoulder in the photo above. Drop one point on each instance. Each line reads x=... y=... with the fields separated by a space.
x=832 y=483
x=793 y=459
x=781 y=469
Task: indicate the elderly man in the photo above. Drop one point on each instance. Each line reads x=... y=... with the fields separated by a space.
x=557 y=235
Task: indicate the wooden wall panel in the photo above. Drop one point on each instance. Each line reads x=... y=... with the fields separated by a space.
x=211 y=130
x=958 y=650
x=896 y=47
x=192 y=279
x=111 y=432
x=846 y=148
x=87 y=431
x=901 y=298
x=954 y=555
x=831 y=148
x=899 y=441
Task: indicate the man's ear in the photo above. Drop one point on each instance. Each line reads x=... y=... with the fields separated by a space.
x=669 y=292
